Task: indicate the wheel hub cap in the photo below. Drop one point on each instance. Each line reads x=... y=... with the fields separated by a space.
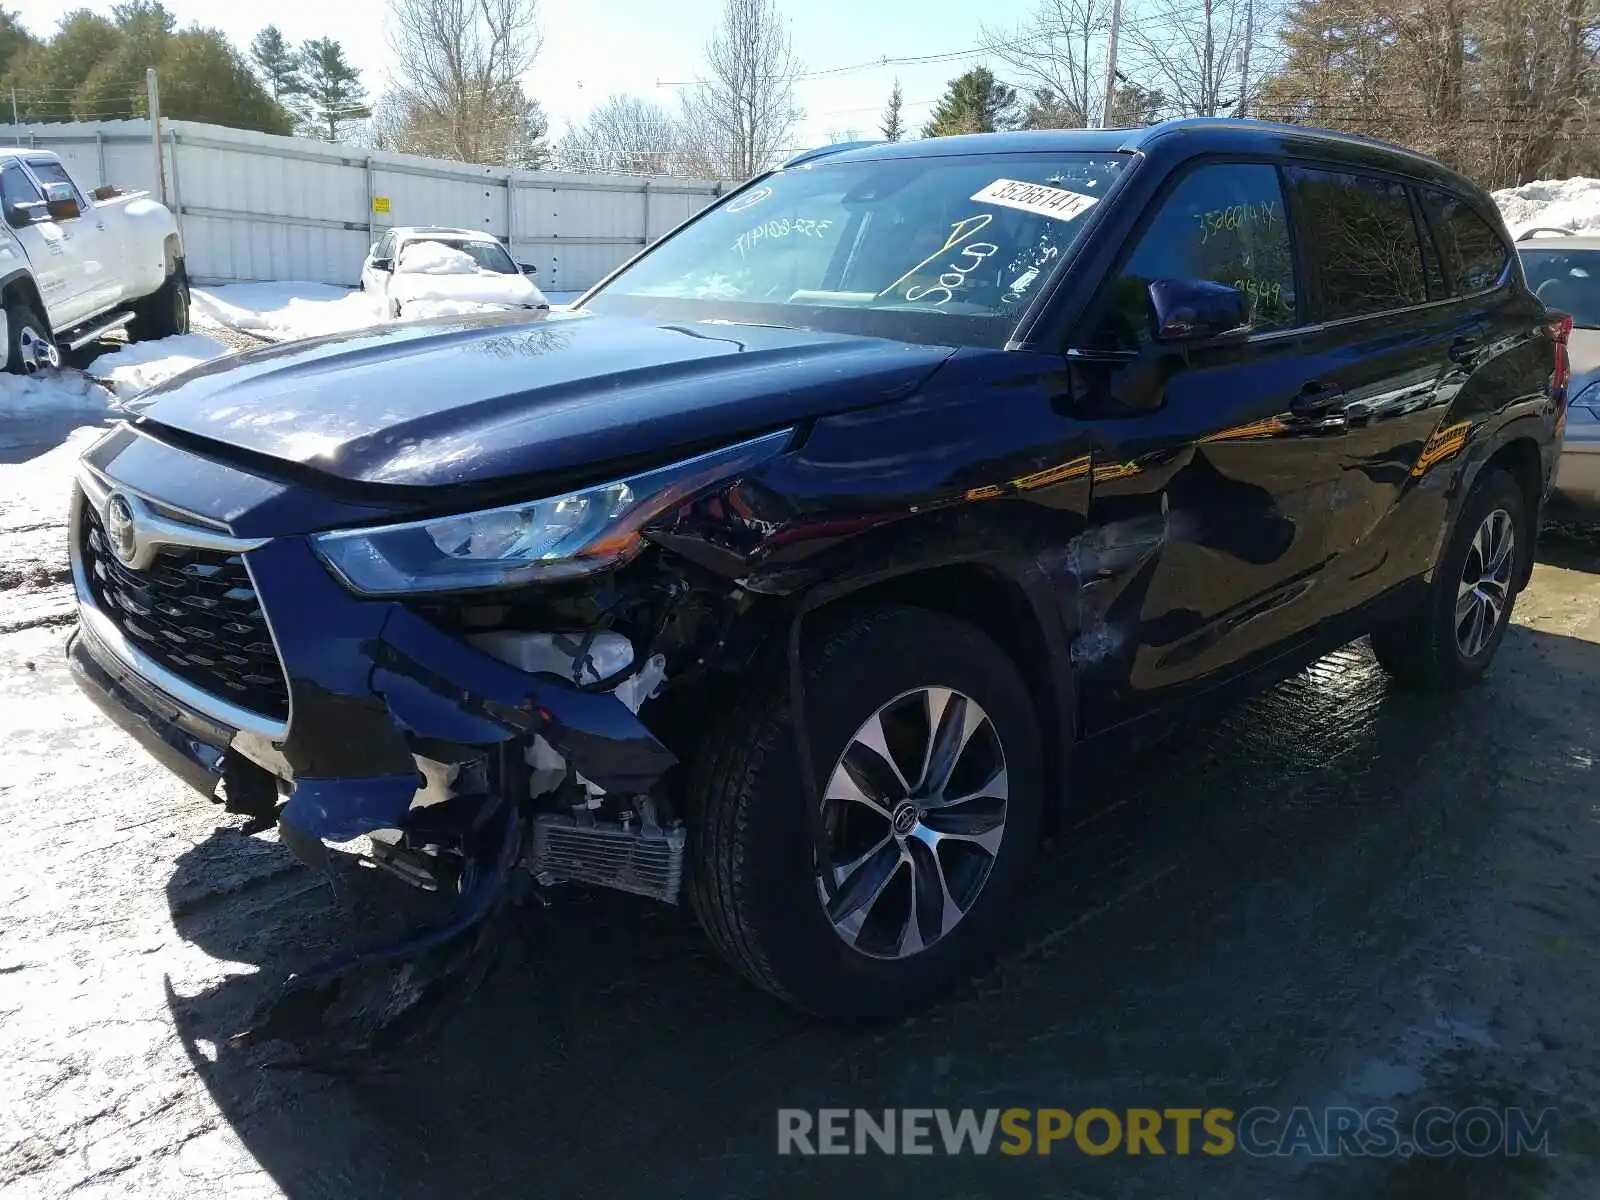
x=1484 y=592
x=37 y=353
x=915 y=812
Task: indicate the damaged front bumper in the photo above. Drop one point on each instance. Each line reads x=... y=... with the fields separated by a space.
x=392 y=724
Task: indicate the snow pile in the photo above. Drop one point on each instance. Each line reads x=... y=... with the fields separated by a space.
x=435 y=258
x=436 y=295
x=1553 y=203
x=142 y=365
x=92 y=392
x=282 y=312
x=50 y=392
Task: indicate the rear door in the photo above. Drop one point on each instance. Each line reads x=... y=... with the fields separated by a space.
x=1210 y=494
x=1392 y=347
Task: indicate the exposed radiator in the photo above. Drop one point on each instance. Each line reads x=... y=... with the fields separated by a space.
x=647 y=861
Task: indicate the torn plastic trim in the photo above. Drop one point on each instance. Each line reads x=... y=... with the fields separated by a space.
x=337 y=810
x=436 y=955
x=439 y=686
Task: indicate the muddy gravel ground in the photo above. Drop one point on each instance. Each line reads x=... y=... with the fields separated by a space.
x=1335 y=894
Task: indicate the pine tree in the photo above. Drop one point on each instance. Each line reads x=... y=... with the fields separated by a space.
x=333 y=92
x=204 y=78
x=278 y=64
x=975 y=102
x=893 y=128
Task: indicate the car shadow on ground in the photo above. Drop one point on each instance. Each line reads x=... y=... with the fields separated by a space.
x=1571 y=541
x=1234 y=916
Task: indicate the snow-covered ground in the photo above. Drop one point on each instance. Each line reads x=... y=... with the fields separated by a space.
x=281 y=312
x=1556 y=203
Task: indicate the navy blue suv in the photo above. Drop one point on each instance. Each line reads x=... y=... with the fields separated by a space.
x=787 y=570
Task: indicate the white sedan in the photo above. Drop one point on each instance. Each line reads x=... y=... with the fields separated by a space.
x=417 y=272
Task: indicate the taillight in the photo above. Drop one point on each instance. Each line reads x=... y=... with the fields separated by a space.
x=1560 y=327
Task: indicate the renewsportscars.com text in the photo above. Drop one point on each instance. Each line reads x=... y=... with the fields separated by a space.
x=1319 y=1133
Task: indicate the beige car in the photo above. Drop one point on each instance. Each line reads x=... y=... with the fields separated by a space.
x=1563 y=269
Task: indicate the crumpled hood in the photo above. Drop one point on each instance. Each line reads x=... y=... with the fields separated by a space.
x=474 y=399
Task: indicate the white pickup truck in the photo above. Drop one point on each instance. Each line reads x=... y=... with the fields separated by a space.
x=76 y=265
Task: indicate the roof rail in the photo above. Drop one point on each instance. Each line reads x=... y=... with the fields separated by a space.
x=1536 y=230
x=817 y=152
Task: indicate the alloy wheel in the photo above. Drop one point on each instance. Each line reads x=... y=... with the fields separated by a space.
x=1484 y=592
x=915 y=812
x=36 y=352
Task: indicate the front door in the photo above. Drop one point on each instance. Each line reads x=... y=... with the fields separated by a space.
x=45 y=244
x=91 y=250
x=1213 y=472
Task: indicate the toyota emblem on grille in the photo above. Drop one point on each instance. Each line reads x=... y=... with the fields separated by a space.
x=119 y=530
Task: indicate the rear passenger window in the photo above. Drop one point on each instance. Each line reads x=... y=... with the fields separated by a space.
x=1362 y=238
x=1223 y=223
x=1474 y=255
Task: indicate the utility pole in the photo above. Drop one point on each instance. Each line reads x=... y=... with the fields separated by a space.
x=1111 y=63
x=15 y=120
x=154 y=95
x=1244 y=59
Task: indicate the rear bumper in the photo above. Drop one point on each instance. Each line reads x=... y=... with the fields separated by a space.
x=1578 y=472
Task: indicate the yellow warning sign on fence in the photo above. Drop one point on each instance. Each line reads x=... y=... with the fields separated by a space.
x=380 y=204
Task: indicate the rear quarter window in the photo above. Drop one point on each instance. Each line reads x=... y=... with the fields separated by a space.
x=1474 y=256
x=1361 y=238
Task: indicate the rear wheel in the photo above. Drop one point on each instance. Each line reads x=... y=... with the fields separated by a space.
x=163 y=313
x=1451 y=638
x=928 y=759
x=29 y=346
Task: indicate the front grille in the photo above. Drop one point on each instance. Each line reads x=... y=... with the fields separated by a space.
x=195 y=612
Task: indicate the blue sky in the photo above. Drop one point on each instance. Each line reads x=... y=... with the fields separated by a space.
x=594 y=47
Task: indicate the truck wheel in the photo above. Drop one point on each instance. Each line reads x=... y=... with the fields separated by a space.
x=1451 y=638
x=29 y=346
x=164 y=312
x=927 y=755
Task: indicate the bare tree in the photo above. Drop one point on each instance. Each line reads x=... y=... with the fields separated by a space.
x=1198 y=53
x=458 y=91
x=1058 y=53
x=625 y=135
x=743 y=112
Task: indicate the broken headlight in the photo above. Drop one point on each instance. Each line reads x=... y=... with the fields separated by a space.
x=557 y=538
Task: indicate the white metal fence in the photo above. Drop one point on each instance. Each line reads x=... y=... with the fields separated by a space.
x=256 y=206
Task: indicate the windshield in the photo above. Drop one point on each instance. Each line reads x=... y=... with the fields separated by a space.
x=939 y=250
x=1567 y=280
x=485 y=256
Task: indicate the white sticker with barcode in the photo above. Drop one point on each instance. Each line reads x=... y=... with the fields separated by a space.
x=1038 y=198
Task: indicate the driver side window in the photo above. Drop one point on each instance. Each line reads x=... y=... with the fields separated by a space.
x=1224 y=223
x=15 y=186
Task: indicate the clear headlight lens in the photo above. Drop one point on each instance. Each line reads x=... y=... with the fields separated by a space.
x=540 y=540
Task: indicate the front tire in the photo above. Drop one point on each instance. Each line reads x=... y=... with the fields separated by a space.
x=927 y=754
x=1451 y=638
x=29 y=346
x=164 y=312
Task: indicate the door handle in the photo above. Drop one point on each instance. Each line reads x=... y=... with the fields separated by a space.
x=1316 y=398
x=1466 y=348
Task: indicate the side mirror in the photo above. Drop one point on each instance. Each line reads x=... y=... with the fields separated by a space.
x=24 y=213
x=527 y=268
x=1190 y=310
x=383 y=264
x=61 y=202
